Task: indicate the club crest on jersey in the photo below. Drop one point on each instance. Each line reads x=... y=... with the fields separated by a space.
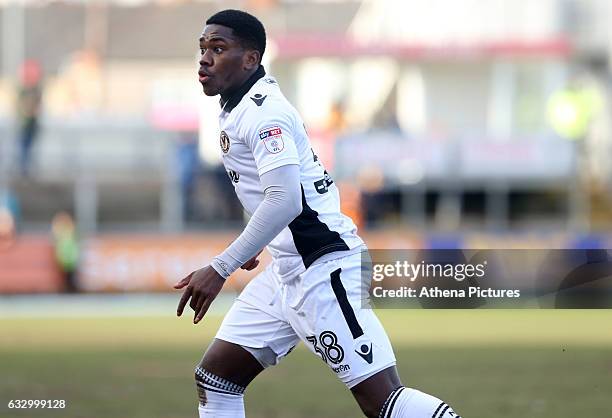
x=225 y=142
x=272 y=138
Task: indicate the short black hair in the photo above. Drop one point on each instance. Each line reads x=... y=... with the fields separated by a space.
x=246 y=27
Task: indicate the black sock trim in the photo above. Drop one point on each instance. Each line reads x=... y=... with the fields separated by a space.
x=444 y=411
x=439 y=407
x=388 y=405
x=209 y=380
x=383 y=410
x=399 y=392
x=208 y=388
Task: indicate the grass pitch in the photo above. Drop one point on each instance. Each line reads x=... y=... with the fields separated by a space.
x=486 y=364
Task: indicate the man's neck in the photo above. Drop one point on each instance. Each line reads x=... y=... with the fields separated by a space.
x=231 y=99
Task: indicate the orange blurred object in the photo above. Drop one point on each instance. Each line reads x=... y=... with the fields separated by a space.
x=28 y=266
x=30 y=73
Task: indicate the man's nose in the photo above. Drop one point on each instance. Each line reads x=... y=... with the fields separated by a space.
x=206 y=58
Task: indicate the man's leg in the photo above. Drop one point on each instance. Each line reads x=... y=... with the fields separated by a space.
x=253 y=336
x=221 y=378
x=383 y=396
x=327 y=313
x=372 y=393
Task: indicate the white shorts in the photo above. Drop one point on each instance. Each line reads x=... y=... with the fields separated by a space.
x=323 y=308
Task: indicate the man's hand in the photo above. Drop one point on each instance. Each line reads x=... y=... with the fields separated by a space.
x=252 y=263
x=203 y=286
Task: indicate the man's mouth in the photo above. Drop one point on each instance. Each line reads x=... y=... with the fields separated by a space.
x=203 y=77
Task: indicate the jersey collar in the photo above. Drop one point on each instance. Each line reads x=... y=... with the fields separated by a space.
x=229 y=103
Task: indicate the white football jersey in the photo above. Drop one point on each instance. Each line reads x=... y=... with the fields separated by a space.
x=260 y=131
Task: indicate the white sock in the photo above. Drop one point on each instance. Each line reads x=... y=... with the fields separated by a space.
x=220 y=405
x=219 y=398
x=411 y=403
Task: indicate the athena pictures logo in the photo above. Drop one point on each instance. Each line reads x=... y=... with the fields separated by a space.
x=224 y=142
x=489 y=278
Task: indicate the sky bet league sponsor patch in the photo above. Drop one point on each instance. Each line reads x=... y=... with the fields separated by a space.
x=272 y=138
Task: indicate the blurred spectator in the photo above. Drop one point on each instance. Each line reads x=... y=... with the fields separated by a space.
x=28 y=110
x=9 y=219
x=571 y=110
x=9 y=201
x=83 y=72
x=66 y=249
x=188 y=164
x=336 y=121
x=7 y=228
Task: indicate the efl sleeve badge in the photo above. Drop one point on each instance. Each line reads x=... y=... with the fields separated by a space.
x=272 y=138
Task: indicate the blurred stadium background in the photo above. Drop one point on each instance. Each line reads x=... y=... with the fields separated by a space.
x=463 y=123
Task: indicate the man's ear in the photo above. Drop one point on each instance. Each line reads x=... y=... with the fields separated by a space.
x=251 y=59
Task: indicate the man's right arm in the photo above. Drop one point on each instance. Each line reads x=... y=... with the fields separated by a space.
x=282 y=203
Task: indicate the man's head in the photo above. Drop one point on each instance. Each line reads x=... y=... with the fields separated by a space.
x=231 y=47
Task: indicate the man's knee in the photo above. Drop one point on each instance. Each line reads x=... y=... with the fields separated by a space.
x=221 y=378
x=372 y=393
x=208 y=381
x=218 y=397
x=374 y=405
x=370 y=409
x=231 y=362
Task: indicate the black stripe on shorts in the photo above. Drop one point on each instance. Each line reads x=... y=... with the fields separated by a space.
x=345 y=306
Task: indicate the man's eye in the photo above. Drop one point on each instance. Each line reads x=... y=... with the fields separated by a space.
x=202 y=51
x=218 y=50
